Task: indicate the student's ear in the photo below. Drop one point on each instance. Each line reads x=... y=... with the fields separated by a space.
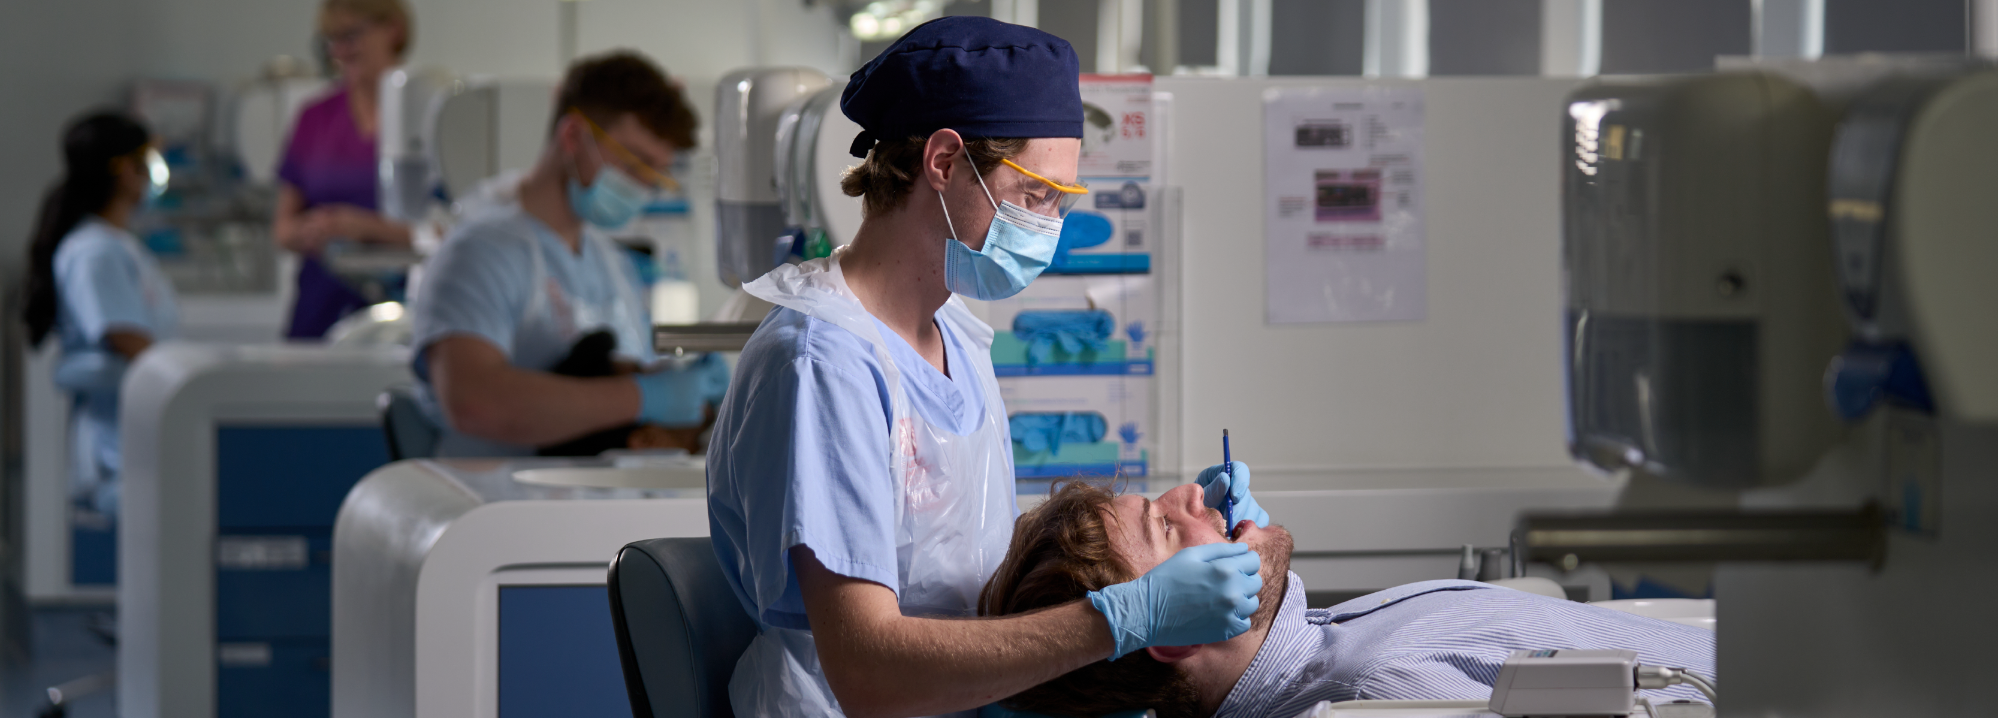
x=940 y=157
x=1172 y=654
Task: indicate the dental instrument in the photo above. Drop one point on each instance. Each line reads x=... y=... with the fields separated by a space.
x=1228 y=503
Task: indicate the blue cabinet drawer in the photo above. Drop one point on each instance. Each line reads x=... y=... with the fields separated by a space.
x=273 y=586
x=258 y=679
x=271 y=477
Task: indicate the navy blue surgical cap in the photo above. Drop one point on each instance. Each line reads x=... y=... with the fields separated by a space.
x=976 y=75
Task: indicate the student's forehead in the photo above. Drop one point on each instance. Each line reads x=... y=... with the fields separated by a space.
x=635 y=137
x=1047 y=157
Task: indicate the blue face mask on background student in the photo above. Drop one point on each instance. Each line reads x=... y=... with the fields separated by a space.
x=610 y=201
x=1018 y=246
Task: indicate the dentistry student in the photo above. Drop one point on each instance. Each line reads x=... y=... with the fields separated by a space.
x=97 y=289
x=518 y=285
x=860 y=471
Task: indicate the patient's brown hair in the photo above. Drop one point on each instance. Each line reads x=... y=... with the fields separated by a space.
x=1061 y=551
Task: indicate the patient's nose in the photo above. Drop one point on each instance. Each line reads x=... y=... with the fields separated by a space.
x=1185 y=498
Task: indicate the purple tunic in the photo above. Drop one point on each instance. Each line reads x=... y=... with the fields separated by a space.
x=329 y=162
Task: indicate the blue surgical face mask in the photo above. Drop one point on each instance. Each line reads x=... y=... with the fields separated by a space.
x=1018 y=246
x=612 y=200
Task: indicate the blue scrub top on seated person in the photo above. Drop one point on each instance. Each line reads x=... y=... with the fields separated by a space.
x=482 y=284
x=105 y=281
x=806 y=463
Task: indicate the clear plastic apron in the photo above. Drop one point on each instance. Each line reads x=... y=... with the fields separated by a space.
x=954 y=517
x=551 y=323
x=554 y=319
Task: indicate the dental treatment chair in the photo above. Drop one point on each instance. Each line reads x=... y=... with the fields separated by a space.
x=679 y=628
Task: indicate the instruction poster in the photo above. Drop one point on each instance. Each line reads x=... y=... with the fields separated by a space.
x=1343 y=227
x=1116 y=126
x=1109 y=230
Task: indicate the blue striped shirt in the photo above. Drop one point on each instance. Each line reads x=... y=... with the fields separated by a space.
x=1438 y=640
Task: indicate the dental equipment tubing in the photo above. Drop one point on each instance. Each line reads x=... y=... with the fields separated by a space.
x=1650 y=677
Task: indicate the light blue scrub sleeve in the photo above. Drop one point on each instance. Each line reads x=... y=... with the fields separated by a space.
x=100 y=285
x=476 y=285
x=806 y=463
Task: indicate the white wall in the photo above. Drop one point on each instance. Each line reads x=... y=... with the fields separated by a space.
x=1471 y=395
x=56 y=59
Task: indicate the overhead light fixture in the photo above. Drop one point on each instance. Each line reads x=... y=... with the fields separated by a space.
x=888 y=19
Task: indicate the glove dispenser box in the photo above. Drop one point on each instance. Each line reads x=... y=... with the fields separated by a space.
x=1700 y=301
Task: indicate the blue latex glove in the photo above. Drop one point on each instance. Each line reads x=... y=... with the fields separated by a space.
x=1217 y=485
x=714 y=377
x=676 y=396
x=1203 y=594
x=998 y=711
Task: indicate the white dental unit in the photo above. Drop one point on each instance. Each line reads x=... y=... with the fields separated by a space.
x=476 y=588
x=469 y=588
x=236 y=460
x=1727 y=311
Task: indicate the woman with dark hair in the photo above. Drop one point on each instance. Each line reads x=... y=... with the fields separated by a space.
x=96 y=288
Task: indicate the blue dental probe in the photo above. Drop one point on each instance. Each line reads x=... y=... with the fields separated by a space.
x=1228 y=499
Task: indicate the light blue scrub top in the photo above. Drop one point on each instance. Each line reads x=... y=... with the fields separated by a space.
x=800 y=455
x=104 y=281
x=480 y=283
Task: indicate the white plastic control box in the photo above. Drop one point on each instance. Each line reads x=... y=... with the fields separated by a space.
x=1566 y=683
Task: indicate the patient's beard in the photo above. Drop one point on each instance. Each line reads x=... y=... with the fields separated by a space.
x=1274 y=548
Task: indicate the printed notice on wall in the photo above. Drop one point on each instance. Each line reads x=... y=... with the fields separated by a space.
x=1116 y=126
x=1343 y=226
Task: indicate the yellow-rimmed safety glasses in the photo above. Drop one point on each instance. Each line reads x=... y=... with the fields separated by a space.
x=658 y=178
x=1065 y=195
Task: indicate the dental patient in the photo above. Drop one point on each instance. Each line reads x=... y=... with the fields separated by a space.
x=1434 y=640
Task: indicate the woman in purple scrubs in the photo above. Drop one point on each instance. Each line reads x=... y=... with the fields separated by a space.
x=327 y=180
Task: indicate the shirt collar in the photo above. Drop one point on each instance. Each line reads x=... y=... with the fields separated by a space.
x=1297 y=637
x=1259 y=688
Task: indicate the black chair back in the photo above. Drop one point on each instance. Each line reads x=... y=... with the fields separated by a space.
x=680 y=628
x=410 y=434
